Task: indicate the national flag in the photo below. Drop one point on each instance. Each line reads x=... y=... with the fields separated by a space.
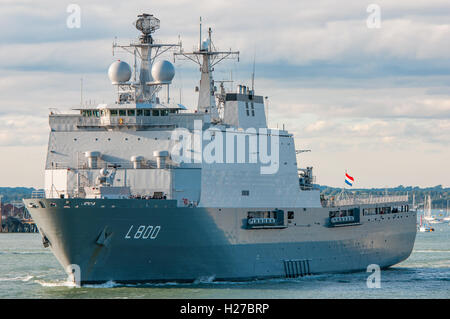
x=349 y=180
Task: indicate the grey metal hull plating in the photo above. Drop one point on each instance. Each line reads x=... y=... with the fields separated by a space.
x=105 y=241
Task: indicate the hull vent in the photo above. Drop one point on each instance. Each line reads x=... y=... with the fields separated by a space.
x=296 y=268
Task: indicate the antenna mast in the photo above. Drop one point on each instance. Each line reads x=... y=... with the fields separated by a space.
x=209 y=58
x=253 y=74
x=144 y=87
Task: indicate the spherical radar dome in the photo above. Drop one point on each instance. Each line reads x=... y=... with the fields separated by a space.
x=119 y=72
x=163 y=71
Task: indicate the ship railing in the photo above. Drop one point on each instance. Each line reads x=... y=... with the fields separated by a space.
x=60 y=165
x=109 y=165
x=152 y=121
x=40 y=193
x=127 y=165
x=356 y=200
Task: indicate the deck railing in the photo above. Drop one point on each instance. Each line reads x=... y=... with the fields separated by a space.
x=363 y=199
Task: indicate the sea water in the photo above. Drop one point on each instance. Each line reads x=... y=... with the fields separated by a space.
x=28 y=270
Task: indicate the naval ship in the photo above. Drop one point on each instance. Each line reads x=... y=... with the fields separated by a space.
x=144 y=190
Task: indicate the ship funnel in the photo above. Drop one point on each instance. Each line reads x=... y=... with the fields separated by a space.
x=161 y=157
x=137 y=161
x=92 y=157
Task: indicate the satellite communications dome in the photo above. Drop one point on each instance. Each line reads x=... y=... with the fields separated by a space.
x=119 y=72
x=163 y=71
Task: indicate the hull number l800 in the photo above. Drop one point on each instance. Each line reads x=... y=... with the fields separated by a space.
x=143 y=232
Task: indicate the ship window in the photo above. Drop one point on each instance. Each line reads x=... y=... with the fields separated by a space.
x=113 y=112
x=291 y=215
x=245 y=193
x=253 y=109
x=122 y=112
x=147 y=113
x=130 y=112
x=173 y=111
x=246 y=109
x=164 y=112
x=96 y=113
x=155 y=113
x=139 y=112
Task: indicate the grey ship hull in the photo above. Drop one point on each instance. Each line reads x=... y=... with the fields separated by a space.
x=102 y=237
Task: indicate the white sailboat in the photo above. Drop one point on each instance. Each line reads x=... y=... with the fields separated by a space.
x=423 y=228
x=447 y=217
x=427 y=210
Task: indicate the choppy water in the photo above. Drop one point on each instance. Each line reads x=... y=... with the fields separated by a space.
x=27 y=270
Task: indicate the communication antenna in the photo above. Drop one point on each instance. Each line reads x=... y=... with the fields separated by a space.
x=253 y=73
x=200 y=38
x=81 y=92
x=207 y=57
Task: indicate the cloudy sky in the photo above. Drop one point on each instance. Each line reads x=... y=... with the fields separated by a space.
x=372 y=101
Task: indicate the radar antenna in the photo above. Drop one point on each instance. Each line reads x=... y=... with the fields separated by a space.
x=145 y=89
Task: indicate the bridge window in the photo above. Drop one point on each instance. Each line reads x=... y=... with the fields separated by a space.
x=290 y=215
x=139 y=112
x=155 y=112
x=253 y=109
x=246 y=109
x=131 y=112
x=113 y=112
x=122 y=112
x=245 y=193
x=147 y=113
x=164 y=112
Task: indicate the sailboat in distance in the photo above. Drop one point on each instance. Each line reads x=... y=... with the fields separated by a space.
x=423 y=228
x=447 y=217
x=427 y=209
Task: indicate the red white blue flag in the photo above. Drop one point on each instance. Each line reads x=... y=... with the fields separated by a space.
x=349 y=180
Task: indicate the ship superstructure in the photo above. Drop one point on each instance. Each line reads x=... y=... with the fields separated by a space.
x=144 y=190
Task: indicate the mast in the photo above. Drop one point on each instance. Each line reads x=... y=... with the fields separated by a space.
x=428 y=211
x=145 y=90
x=207 y=57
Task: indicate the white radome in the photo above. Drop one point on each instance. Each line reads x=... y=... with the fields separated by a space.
x=163 y=71
x=119 y=72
